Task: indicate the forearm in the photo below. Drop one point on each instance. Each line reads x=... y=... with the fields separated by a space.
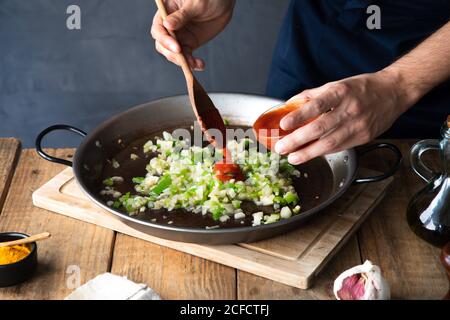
x=425 y=67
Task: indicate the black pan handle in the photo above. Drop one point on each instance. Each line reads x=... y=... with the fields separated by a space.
x=41 y=135
x=391 y=171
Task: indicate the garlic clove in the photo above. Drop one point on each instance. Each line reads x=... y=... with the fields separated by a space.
x=363 y=282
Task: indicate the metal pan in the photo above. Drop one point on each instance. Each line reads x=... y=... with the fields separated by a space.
x=323 y=180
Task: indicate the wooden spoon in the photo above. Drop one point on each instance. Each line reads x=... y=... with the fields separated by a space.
x=34 y=238
x=207 y=114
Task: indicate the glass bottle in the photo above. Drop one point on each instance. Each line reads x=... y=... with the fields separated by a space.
x=429 y=211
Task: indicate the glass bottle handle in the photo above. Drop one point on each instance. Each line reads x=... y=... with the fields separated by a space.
x=416 y=162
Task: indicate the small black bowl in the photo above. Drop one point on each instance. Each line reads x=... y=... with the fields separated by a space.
x=15 y=273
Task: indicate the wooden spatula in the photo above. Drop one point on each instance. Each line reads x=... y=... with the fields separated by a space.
x=207 y=114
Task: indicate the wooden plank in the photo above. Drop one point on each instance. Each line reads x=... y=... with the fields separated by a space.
x=60 y=195
x=252 y=287
x=410 y=265
x=171 y=273
x=293 y=244
x=74 y=245
x=9 y=155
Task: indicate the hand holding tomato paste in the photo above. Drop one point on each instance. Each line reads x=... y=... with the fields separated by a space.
x=267 y=127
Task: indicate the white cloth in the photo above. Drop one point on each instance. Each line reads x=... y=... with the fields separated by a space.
x=108 y=286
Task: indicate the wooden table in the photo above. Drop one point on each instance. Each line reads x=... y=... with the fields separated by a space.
x=410 y=265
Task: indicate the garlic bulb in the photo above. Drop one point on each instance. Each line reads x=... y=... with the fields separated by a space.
x=363 y=282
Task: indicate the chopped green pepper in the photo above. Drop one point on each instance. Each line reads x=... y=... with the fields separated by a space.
x=125 y=197
x=291 y=198
x=286 y=167
x=162 y=185
x=279 y=200
x=116 y=204
x=217 y=213
x=108 y=182
x=138 y=180
x=236 y=203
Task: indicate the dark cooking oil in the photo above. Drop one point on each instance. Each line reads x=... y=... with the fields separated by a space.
x=426 y=220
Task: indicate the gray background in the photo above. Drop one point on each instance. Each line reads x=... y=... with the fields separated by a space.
x=49 y=74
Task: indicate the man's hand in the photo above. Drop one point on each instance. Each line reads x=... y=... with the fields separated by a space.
x=356 y=110
x=195 y=22
x=350 y=112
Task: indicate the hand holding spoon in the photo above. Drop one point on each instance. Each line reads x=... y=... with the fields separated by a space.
x=207 y=114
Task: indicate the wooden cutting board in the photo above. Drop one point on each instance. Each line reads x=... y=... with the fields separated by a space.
x=294 y=258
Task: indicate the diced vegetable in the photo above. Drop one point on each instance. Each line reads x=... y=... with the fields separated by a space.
x=162 y=185
x=112 y=180
x=108 y=182
x=167 y=136
x=138 y=180
x=272 y=218
x=257 y=218
x=125 y=197
x=179 y=176
x=236 y=203
x=286 y=167
x=149 y=147
x=239 y=215
x=291 y=198
x=285 y=213
x=115 y=164
x=217 y=212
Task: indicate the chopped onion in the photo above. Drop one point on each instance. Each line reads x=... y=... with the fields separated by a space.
x=285 y=213
x=257 y=217
x=182 y=177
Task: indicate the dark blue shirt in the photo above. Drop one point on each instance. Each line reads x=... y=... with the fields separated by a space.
x=327 y=40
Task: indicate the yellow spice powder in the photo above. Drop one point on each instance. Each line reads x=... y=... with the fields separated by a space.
x=12 y=254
